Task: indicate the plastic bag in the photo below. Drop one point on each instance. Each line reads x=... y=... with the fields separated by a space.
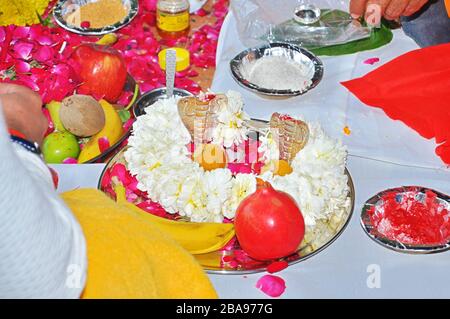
x=262 y=21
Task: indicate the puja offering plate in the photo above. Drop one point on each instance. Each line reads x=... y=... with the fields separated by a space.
x=65 y=8
x=249 y=70
x=151 y=97
x=400 y=218
x=232 y=259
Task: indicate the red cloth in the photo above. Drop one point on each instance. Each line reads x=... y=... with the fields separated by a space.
x=415 y=89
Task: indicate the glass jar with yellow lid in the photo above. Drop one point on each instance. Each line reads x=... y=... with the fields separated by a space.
x=172 y=18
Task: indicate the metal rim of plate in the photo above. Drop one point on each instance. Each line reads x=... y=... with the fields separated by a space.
x=130 y=84
x=396 y=245
x=150 y=97
x=263 y=265
x=59 y=18
x=260 y=51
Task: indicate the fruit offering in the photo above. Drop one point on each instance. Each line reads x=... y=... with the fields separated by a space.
x=110 y=134
x=102 y=71
x=82 y=115
x=58 y=146
x=269 y=224
x=95 y=126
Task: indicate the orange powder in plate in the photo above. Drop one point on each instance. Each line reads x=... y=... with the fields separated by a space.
x=98 y=14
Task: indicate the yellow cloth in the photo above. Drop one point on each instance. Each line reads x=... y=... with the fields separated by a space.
x=129 y=258
x=21 y=12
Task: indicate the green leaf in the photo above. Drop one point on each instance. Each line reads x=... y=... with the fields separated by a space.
x=378 y=38
x=47 y=22
x=124 y=115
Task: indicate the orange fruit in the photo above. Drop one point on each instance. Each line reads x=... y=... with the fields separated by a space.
x=210 y=156
x=278 y=167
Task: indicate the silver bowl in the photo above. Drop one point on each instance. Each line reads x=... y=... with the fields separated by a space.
x=398 y=246
x=292 y=52
x=64 y=7
x=152 y=96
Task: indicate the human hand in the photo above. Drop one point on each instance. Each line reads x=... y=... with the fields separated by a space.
x=22 y=111
x=373 y=10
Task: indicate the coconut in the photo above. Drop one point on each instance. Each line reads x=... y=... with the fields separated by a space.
x=82 y=115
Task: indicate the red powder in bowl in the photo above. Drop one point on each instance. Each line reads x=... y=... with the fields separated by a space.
x=411 y=221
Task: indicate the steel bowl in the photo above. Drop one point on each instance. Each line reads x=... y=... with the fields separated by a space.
x=151 y=97
x=398 y=246
x=64 y=7
x=240 y=64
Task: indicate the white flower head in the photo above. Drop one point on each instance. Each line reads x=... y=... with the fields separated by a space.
x=243 y=185
x=230 y=129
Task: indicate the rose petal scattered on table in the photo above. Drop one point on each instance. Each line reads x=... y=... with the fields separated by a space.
x=371 y=61
x=272 y=286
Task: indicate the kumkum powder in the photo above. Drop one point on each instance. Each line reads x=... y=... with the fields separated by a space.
x=99 y=14
x=412 y=221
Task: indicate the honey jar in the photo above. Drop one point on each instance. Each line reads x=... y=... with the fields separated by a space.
x=172 y=18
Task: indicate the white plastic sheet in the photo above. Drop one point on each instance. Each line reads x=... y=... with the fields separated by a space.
x=273 y=21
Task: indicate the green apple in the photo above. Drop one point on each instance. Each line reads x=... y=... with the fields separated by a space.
x=58 y=146
x=53 y=108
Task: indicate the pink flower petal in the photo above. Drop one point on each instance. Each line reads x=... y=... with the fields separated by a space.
x=43 y=54
x=103 y=144
x=22 y=50
x=371 y=61
x=272 y=286
x=70 y=160
x=201 y=12
x=106 y=180
x=22 y=66
x=44 y=40
x=2 y=34
x=128 y=124
x=120 y=171
x=20 y=33
x=240 y=168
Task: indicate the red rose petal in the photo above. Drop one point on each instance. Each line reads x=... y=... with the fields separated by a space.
x=85 y=24
x=103 y=144
x=371 y=61
x=277 y=266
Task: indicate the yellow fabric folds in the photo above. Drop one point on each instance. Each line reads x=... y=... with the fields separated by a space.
x=131 y=258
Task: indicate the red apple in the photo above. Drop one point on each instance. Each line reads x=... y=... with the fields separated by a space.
x=101 y=70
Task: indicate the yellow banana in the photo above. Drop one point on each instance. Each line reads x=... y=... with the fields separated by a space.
x=107 y=39
x=197 y=238
x=112 y=130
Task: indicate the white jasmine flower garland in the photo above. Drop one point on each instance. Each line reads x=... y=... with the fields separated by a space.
x=230 y=129
x=159 y=157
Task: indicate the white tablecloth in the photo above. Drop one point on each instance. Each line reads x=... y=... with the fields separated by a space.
x=343 y=269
